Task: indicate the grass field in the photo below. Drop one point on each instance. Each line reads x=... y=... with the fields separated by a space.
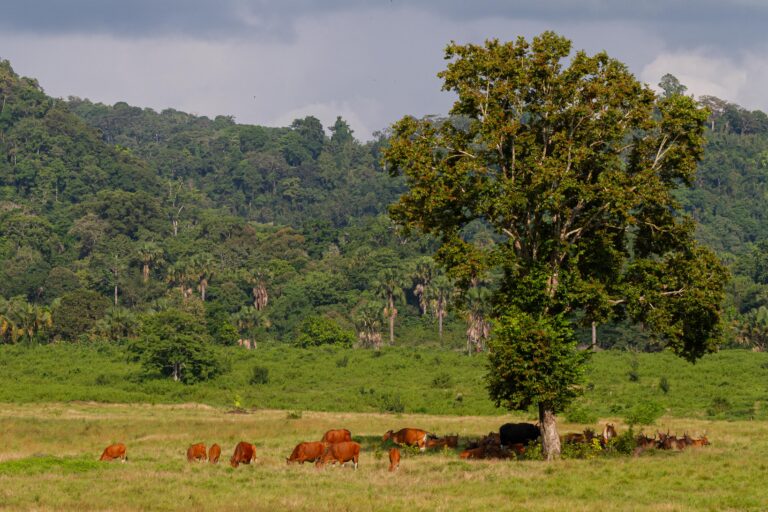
x=732 y=384
x=49 y=452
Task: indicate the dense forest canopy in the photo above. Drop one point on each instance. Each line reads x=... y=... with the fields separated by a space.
x=112 y=214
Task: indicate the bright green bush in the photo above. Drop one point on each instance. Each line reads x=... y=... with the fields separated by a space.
x=318 y=330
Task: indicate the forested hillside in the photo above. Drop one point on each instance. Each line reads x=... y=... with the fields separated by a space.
x=117 y=222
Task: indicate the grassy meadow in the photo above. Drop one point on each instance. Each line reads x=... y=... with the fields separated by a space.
x=731 y=384
x=49 y=452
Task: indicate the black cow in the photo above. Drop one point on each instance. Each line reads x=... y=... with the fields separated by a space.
x=514 y=433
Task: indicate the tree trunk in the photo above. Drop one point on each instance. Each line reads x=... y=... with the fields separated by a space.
x=115 y=295
x=391 y=329
x=440 y=315
x=203 y=286
x=550 y=441
x=594 y=336
x=145 y=273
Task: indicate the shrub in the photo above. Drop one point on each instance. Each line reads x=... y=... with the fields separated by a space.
x=719 y=405
x=442 y=380
x=664 y=384
x=259 y=375
x=343 y=362
x=319 y=330
x=294 y=415
x=634 y=366
x=391 y=403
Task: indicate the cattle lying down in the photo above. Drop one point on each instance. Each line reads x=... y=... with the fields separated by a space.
x=244 y=453
x=394 y=459
x=337 y=436
x=196 y=452
x=341 y=453
x=514 y=433
x=214 y=453
x=114 y=451
x=408 y=437
x=307 y=452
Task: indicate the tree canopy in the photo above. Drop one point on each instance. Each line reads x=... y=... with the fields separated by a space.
x=573 y=164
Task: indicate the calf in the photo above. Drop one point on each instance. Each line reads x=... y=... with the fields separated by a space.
x=304 y=452
x=244 y=453
x=114 y=451
x=341 y=453
x=214 y=453
x=196 y=452
x=337 y=436
x=394 y=459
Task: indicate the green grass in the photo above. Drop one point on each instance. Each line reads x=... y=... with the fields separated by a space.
x=731 y=384
x=49 y=452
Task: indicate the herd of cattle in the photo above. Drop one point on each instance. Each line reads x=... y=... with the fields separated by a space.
x=337 y=445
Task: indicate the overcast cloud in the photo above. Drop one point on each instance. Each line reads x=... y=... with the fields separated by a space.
x=370 y=61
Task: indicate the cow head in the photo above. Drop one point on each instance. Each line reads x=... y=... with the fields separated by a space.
x=387 y=435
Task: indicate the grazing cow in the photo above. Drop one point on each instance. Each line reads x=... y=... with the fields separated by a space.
x=304 y=452
x=196 y=452
x=341 y=453
x=214 y=453
x=514 y=433
x=244 y=453
x=394 y=459
x=337 y=436
x=114 y=451
x=408 y=437
x=582 y=437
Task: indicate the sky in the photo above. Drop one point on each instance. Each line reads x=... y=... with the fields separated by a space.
x=369 y=61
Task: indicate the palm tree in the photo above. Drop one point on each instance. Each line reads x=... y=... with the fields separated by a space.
x=149 y=254
x=201 y=267
x=258 y=279
x=476 y=311
x=753 y=329
x=117 y=323
x=20 y=320
x=439 y=294
x=368 y=325
x=390 y=288
x=178 y=275
x=422 y=276
x=248 y=320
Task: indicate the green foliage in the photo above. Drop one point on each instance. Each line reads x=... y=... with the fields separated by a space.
x=318 y=330
x=442 y=380
x=534 y=360
x=664 y=384
x=578 y=413
x=77 y=312
x=173 y=344
x=259 y=375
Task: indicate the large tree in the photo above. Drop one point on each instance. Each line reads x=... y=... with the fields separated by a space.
x=574 y=164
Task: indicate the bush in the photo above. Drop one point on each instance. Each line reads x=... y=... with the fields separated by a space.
x=645 y=413
x=343 y=362
x=318 y=330
x=442 y=381
x=664 y=384
x=259 y=375
x=391 y=403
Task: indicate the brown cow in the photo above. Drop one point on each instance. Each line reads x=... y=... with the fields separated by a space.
x=341 y=453
x=452 y=441
x=473 y=453
x=437 y=443
x=196 y=452
x=304 y=452
x=214 y=453
x=408 y=437
x=114 y=451
x=337 y=436
x=394 y=459
x=244 y=453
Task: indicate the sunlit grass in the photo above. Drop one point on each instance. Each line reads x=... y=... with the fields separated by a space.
x=49 y=452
